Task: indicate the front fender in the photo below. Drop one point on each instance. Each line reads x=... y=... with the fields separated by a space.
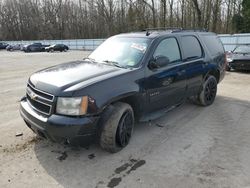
x=110 y=90
x=112 y=95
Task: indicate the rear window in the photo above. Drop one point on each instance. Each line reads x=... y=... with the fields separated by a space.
x=213 y=44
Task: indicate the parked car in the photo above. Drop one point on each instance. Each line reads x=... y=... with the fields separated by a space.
x=239 y=58
x=35 y=47
x=131 y=76
x=14 y=47
x=57 y=47
x=3 y=45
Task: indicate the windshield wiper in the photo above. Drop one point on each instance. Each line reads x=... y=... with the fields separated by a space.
x=114 y=63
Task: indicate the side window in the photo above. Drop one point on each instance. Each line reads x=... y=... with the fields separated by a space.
x=213 y=44
x=191 y=47
x=168 y=48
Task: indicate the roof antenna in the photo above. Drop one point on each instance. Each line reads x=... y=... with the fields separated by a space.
x=147 y=33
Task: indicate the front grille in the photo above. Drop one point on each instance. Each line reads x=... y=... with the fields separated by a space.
x=40 y=101
x=42 y=94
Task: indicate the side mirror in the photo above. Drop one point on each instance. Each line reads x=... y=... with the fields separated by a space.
x=158 y=62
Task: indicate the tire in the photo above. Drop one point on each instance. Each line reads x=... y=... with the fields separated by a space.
x=117 y=127
x=208 y=94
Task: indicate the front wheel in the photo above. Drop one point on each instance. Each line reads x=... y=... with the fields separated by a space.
x=117 y=127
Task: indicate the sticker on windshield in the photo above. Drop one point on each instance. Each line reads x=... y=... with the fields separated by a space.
x=131 y=63
x=140 y=47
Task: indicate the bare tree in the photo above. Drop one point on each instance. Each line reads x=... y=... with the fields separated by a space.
x=65 y=19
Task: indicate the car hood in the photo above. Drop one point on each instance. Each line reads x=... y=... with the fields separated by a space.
x=64 y=77
x=241 y=56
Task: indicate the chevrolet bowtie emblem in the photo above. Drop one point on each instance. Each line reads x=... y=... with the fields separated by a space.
x=33 y=96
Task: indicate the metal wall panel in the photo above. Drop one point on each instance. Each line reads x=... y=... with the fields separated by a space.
x=229 y=42
x=77 y=44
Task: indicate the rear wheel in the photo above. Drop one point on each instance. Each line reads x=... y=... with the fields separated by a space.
x=117 y=127
x=208 y=93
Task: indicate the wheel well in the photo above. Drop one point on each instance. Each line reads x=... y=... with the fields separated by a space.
x=215 y=73
x=132 y=102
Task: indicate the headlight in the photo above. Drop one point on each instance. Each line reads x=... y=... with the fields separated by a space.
x=72 y=106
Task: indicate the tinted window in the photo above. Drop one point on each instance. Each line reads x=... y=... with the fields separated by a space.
x=213 y=44
x=191 y=47
x=168 y=48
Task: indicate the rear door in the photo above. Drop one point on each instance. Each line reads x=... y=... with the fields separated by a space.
x=166 y=86
x=194 y=58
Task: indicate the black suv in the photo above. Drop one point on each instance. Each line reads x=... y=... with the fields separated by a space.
x=129 y=77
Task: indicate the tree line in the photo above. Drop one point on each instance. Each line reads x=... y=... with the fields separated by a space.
x=71 y=19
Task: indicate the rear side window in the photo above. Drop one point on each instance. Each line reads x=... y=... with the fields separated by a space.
x=213 y=44
x=191 y=48
x=168 y=48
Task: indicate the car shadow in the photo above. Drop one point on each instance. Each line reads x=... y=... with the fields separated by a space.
x=93 y=167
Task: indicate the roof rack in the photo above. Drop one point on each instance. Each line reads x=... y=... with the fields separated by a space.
x=148 y=30
x=191 y=30
x=172 y=29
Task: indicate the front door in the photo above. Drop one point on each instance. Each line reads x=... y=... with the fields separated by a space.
x=166 y=86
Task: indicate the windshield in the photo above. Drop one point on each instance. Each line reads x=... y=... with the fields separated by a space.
x=242 y=50
x=120 y=51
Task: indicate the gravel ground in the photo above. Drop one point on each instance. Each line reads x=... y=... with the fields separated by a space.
x=190 y=146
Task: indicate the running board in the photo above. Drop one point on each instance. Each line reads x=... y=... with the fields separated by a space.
x=157 y=114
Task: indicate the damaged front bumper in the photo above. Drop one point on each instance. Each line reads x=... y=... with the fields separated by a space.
x=60 y=128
